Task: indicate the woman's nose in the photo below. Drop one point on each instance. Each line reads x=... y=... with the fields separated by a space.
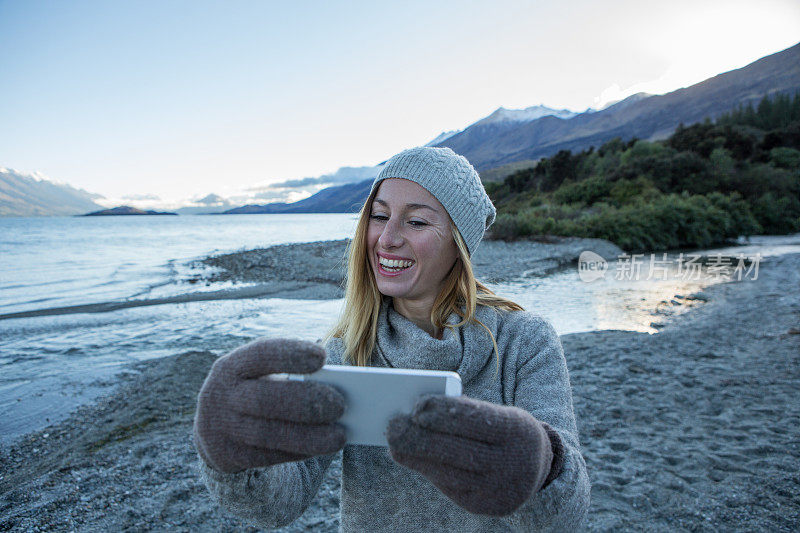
x=391 y=236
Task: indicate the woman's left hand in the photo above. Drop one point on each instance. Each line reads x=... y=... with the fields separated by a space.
x=487 y=458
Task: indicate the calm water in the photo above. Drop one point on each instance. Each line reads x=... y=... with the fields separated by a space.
x=56 y=261
x=49 y=365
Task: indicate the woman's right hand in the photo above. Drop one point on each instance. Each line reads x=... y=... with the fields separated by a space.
x=245 y=420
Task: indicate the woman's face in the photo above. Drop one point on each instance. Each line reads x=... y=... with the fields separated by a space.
x=409 y=241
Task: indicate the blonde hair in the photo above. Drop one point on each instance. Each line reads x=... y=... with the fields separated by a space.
x=358 y=323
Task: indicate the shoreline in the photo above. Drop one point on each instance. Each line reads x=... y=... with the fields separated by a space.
x=694 y=428
x=323 y=262
x=315 y=270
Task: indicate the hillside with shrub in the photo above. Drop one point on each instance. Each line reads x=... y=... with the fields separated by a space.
x=706 y=184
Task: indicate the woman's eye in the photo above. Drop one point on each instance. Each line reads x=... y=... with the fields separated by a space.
x=378 y=216
x=417 y=223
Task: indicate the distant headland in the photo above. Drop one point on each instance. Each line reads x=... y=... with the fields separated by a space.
x=124 y=210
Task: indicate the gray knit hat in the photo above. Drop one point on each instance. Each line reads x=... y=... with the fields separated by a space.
x=452 y=180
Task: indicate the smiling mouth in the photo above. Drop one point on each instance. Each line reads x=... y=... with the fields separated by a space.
x=393 y=266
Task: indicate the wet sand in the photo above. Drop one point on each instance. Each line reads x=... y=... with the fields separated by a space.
x=695 y=428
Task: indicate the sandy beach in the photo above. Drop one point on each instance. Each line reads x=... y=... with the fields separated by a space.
x=694 y=428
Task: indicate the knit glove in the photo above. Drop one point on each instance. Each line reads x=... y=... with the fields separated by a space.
x=487 y=458
x=245 y=420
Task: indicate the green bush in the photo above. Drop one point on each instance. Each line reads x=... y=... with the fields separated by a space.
x=586 y=191
x=669 y=221
x=627 y=191
x=783 y=157
x=778 y=214
x=708 y=183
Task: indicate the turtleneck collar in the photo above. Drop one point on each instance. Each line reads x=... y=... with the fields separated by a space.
x=466 y=350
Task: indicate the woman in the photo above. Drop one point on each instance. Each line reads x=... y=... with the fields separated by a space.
x=504 y=456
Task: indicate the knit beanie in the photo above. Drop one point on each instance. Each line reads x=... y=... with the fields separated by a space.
x=452 y=180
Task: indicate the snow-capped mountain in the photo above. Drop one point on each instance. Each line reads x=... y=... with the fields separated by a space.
x=506 y=117
x=501 y=114
x=32 y=194
x=442 y=137
x=489 y=145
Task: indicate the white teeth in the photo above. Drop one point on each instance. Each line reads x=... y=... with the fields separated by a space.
x=394 y=263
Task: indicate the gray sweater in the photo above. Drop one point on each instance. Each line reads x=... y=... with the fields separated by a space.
x=380 y=495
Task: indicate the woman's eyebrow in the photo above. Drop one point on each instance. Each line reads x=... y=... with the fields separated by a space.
x=408 y=206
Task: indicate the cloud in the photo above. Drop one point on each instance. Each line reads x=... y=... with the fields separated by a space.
x=141 y=197
x=283 y=195
x=273 y=196
x=343 y=175
x=287 y=191
x=303 y=182
x=295 y=196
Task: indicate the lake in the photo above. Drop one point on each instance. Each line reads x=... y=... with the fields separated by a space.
x=51 y=364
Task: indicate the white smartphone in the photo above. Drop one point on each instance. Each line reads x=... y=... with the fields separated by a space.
x=374 y=394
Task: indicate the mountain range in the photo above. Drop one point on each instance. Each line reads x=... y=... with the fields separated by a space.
x=508 y=140
x=346 y=198
x=504 y=141
x=490 y=144
x=28 y=195
x=125 y=210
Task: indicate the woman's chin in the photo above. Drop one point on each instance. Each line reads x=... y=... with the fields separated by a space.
x=394 y=290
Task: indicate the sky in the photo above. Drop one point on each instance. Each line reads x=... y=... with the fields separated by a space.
x=161 y=103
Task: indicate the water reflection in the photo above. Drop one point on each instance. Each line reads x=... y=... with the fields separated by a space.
x=574 y=306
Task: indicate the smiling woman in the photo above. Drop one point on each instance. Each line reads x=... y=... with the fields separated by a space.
x=504 y=456
x=411 y=248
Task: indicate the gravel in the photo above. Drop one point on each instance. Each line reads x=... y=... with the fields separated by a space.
x=694 y=428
